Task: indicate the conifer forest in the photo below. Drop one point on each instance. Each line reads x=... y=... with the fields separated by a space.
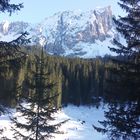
x=38 y=84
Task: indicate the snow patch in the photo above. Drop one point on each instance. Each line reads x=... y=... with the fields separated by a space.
x=79 y=127
x=6 y=26
x=91 y=50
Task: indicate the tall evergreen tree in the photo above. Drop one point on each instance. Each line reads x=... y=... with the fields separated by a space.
x=122 y=119
x=10 y=51
x=39 y=107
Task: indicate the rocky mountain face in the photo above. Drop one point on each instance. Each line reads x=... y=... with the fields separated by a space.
x=69 y=33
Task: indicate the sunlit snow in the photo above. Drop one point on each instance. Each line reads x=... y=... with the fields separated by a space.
x=79 y=126
x=5 y=26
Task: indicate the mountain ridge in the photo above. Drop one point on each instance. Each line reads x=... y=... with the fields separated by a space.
x=69 y=33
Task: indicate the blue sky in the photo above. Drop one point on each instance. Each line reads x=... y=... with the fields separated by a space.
x=36 y=10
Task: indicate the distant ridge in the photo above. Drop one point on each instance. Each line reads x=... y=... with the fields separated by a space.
x=69 y=33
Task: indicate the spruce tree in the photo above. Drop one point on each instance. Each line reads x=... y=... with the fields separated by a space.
x=10 y=51
x=122 y=119
x=38 y=107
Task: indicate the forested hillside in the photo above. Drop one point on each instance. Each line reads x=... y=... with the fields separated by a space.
x=77 y=81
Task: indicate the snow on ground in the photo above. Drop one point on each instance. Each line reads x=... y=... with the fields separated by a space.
x=79 y=126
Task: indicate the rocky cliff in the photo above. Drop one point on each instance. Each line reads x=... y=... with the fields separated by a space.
x=69 y=33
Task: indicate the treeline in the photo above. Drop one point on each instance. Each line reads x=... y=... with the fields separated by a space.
x=77 y=81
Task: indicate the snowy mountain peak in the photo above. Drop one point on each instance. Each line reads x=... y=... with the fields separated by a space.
x=103 y=9
x=70 y=33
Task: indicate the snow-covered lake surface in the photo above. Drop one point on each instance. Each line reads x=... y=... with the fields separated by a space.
x=79 y=126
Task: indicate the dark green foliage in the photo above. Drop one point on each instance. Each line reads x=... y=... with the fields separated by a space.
x=128 y=65
x=6 y=6
x=122 y=121
x=39 y=106
x=11 y=65
x=77 y=80
x=10 y=52
x=123 y=117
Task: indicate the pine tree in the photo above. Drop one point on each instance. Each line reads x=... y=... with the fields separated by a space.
x=128 y=63
x=38 y=109
x=10 y=51
x=122 y=119
x=6 y=6
x=122 y=122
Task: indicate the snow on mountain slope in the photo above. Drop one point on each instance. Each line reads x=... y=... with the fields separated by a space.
x=88 y=50
x=79 y=127
x=69 y=33
x=8 y=37
x=5 y=26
